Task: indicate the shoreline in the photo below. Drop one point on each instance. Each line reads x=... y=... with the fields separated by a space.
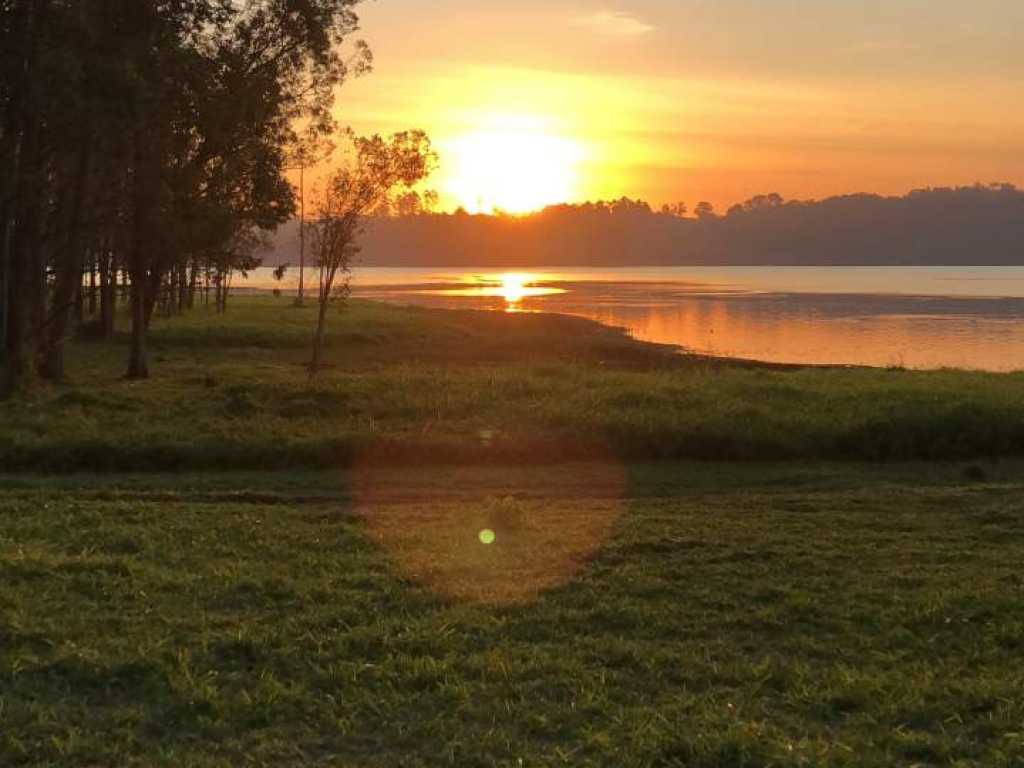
x=682 y=351
x=415 y=386
x=755 y=313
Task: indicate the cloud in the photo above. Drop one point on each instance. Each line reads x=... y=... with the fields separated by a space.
x=614 y=24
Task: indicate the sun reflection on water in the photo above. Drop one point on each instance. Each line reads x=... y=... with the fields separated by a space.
x=513 y=287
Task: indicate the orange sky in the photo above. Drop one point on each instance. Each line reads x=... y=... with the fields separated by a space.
x=536 y=102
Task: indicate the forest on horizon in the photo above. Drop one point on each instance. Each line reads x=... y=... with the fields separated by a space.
x=975 y=225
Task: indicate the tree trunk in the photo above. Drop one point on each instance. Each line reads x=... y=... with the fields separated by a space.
x=139 y=257
x=6 y=296
x=302 y=236
x=52 y=368
x=138 y=365
x=7 y=299
x=108 y=293
x=152 y=293
x=24 y=289
x=27 y=294
x=18 y=365
x=92 y=286
x=79 y=315
x=10 y=174
x=318 y=339
x=182 y=288
x=193 y=276
x=7 y=293
x=67 y=292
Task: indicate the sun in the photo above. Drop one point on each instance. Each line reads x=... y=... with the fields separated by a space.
x=511 y=164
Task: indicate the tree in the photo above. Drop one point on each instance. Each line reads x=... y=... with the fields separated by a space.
x=141 y=137
x=311 y=149
x=676 y=210
x=237 y=255
x=413 y=203
x=704 y=211
x=377 y=170
x=238 y=82
x=758 y=203
x=24 y=43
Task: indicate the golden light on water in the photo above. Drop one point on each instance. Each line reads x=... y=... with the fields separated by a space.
x=515 y=164
x=513 y=287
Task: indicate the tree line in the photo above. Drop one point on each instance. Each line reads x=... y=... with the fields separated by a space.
x=143 y=150
x=980 y=224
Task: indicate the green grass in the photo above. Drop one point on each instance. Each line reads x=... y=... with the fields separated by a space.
x=769 y=615
x=428 y=386
x=305 y=582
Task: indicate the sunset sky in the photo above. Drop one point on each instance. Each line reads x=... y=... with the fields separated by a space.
x=535 y=102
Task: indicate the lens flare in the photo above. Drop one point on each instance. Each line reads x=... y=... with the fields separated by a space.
x=495 y=535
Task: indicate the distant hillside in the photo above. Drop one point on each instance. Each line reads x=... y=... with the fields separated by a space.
x=981 y=225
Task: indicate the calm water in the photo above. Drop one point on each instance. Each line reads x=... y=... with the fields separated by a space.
x=919 y=317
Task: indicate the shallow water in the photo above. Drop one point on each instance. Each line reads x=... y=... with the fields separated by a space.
x=918 y=317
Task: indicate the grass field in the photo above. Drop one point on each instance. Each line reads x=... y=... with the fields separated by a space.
x=414 y=386
x=758 y=616
x=397 y=567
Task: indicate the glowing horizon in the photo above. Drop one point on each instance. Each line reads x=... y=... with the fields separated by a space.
x=686 y=101
x=511 y=163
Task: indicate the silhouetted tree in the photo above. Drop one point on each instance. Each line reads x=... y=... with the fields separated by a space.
x=141 y=136
x=238 y=256
x=376 y=171
x=412 y=203
x=311 y=149
x=704 y=211
x=982 y=224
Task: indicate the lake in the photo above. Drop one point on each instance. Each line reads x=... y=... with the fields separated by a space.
x=916 y=317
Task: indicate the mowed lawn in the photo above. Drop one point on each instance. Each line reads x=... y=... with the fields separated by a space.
x=644 y=615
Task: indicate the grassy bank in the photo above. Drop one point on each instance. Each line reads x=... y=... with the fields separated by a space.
x=719 y=616
x=413 y=385
x=345 y=611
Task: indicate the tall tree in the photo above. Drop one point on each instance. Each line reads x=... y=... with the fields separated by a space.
x=22 y=271
x=251 y=70
x=310 y=149
x=146 y=135
x=376 y=171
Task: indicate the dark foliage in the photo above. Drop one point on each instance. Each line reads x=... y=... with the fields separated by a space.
x=142 y=151
x=966 y=225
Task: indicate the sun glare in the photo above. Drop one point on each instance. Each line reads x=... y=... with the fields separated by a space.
x=511 y=164
x=513 y=287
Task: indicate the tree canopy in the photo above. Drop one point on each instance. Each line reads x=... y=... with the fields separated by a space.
x=148 y=138
x=979 y=224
